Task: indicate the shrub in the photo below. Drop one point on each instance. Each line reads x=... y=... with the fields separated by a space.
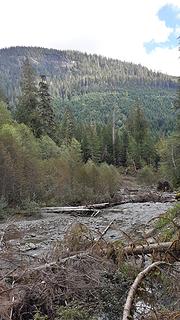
x=3 y=207
x=72 y=313
x=147 y=175
x=29 y=207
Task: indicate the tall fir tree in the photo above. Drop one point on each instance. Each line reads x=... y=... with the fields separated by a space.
x=141 y=148
x=177 y=106
x=27 y=108
x=68 y=126
x=45 y=108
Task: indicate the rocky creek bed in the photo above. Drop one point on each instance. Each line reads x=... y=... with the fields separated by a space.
x=37 y=236
x=27 y=247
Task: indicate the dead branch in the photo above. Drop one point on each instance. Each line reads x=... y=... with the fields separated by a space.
x=134 y=287
x=173 y=160
x=106 y=229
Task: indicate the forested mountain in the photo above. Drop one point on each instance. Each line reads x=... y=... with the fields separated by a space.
x=93 y=85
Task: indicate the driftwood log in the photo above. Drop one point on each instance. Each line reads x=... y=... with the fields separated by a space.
x=152 y=248
x=88 y=209
x=134 y=287
x=93 y=209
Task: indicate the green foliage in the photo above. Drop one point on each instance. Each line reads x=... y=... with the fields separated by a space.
x=38 y=316
x=112 y=294
x=72 y=152
x=67 y=313
x=3 y=207
x=63 y=150
x=97 y=107
x=168 y=217
x=3 y=97
x=166 y=227
x=27 y=108
x=170 y=148
x=5 y=116
x=68 y=126
x=45 y=110
x=147 y=175
x=18 y=162
x=72 y=313
x=91 y=85
x=48 y=148
x=37 y=170
x=169 y=151
x=29 y=207
x=141 y=149
x=137 y=125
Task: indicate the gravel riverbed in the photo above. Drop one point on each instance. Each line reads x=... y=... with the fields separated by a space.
x=36 y=236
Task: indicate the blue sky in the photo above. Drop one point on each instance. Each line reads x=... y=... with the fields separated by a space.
x=171 y=16
x=139 y=31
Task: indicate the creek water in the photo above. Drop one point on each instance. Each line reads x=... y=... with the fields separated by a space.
x=36 y=236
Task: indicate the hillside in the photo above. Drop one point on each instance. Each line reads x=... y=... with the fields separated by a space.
x=92 y=85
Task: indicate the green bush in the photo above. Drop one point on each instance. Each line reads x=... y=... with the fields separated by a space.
x=29 y=207
x=72 y=313
x=3 y=207
x=38 y=316
x=147 y=175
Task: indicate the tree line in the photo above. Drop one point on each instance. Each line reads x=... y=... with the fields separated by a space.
x=50 y=160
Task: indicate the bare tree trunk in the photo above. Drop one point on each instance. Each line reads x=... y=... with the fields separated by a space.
x=133 y=289
x=113 y=135
x=172 y=156
x=151 y=248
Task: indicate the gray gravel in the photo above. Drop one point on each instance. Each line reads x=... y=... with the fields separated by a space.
x=37 y=236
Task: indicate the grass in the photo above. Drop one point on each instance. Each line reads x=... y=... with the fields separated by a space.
x=167 y=226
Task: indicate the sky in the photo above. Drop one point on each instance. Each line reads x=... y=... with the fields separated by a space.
x=138 y=31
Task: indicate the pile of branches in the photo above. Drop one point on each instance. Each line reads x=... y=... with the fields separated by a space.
x=100 y=277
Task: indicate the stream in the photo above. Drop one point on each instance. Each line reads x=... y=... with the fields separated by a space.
x=36 y=237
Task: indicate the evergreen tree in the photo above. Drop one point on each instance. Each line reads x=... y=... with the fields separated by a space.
x=141 y=148
x=68 y=126
x=3 y=96
x=124 y=148
x=137 y=125
x=172 y=152
x=177 y=106
x=27 y=108
x=45 y=108
x=5 y=115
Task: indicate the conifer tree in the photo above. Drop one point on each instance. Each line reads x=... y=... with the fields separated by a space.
x=27 y=108
x=3 y=96
x=45 y=108
x=140 y=145
x=124 y=148
x=68 y=126
x=177 y=106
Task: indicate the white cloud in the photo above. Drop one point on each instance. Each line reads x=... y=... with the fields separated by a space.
x=163 y=60
x=114 y=28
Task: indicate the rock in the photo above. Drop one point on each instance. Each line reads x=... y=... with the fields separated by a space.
x=112 y=236
x=32 y=235
x=28 y=247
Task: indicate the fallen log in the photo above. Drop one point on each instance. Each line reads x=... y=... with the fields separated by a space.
x=93 y=208
x=134 y=287
x=68 y=210
x=151 y=248
x=165 y=247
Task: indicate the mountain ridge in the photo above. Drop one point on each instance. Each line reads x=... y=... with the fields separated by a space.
x=72 y=72
x=91 y=85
